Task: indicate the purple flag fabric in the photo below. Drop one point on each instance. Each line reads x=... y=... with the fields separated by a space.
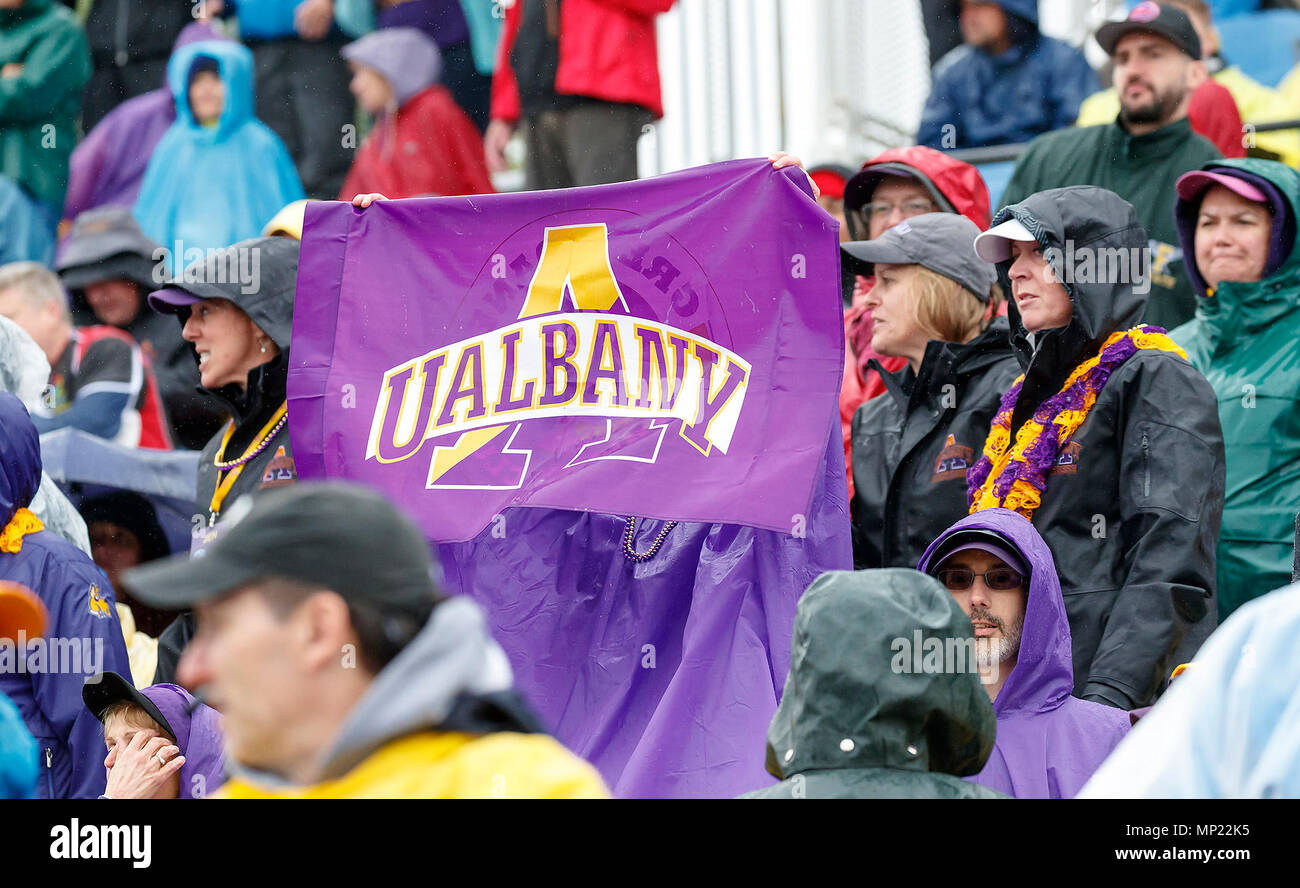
x=1049 y=743
x=665 y=348
x=663 y=672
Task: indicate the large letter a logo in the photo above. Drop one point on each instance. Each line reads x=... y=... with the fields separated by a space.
x=575 y=257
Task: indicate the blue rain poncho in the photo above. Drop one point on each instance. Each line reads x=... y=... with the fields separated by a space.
x=208 y=187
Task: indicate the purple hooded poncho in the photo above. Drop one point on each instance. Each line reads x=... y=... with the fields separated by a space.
x=1049 y=743
x=198 y=734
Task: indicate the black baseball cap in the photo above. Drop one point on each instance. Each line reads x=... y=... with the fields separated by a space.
x=102 y=690
x=336 y=535
x=1168 y=22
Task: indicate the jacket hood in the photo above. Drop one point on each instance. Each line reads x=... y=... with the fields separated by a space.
x=406 y=57
x=259 y=275
x=197 y=729
x=266 y=297
x=20 y=458
x=24 y=369
x=984 y=350
x=1254 y=303
x=1073 y=226
x=953 y=184
x=846 y=706
x=106 y=244
x=451 y=657
x=196 y=32
x=1026 y=9
x=1044 y=675
x=234 y=67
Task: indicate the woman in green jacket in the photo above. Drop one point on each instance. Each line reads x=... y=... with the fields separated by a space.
x=1237 y=220
x=44 y=63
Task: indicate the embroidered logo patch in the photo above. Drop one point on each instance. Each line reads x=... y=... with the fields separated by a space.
x=953 y=461
x=281 y=470
x=99 y=605
x=1067 y=461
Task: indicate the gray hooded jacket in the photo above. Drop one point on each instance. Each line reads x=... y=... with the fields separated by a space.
x=24 y=373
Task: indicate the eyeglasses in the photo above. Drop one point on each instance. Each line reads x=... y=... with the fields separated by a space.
x=908 y=208
x=999 y=579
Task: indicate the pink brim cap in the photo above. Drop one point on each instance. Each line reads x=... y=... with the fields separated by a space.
x=1192 y=185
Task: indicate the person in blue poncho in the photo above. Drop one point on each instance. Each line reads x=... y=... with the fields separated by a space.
x=219 y=174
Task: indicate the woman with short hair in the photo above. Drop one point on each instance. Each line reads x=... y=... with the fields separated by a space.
x=934 y=304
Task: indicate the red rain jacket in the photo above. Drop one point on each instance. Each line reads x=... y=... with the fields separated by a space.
x=428 y=147
x=607 y=51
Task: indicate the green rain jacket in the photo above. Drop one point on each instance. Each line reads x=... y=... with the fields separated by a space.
x=867 y=711
x=1245 y=338
x=40 y=105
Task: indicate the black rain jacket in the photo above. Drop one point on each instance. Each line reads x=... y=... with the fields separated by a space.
x=913 y=445
x=1132 y=508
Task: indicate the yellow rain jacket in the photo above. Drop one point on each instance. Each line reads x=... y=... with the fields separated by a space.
x=450 y=766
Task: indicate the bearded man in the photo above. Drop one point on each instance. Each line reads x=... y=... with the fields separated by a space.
x=1001 y=574
x=1139 y=156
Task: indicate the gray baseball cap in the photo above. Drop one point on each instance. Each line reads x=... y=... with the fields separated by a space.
x=941 y=242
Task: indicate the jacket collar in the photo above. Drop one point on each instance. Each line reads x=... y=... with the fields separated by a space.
x=264 y=392
x=1156 y=145
x=945 y=363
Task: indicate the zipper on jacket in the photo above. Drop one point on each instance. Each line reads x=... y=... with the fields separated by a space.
x=49 y=772
x=1146 y=466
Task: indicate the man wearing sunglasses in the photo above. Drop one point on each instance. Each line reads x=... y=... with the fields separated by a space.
x=1002 y=575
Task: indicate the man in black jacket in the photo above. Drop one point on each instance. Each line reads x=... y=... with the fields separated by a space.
x=1131 y=501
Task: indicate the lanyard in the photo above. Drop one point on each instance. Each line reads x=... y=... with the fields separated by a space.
x=258 y=443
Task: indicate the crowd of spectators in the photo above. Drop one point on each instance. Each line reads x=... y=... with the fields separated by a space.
x=1070 y=413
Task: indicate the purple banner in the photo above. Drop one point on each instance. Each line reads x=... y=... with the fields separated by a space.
x=669 y=348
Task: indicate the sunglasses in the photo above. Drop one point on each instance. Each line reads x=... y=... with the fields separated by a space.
x=999 y=579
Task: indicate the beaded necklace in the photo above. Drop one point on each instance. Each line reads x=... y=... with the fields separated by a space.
x=638 y=557
x=235 y=467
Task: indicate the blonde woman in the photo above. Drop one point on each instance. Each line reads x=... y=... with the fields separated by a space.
x=935 y=304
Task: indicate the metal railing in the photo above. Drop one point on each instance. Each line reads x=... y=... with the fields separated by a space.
x=996 y=153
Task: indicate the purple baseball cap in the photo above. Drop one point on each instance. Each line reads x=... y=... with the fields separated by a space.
x=168 y=299
x=986 y=541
